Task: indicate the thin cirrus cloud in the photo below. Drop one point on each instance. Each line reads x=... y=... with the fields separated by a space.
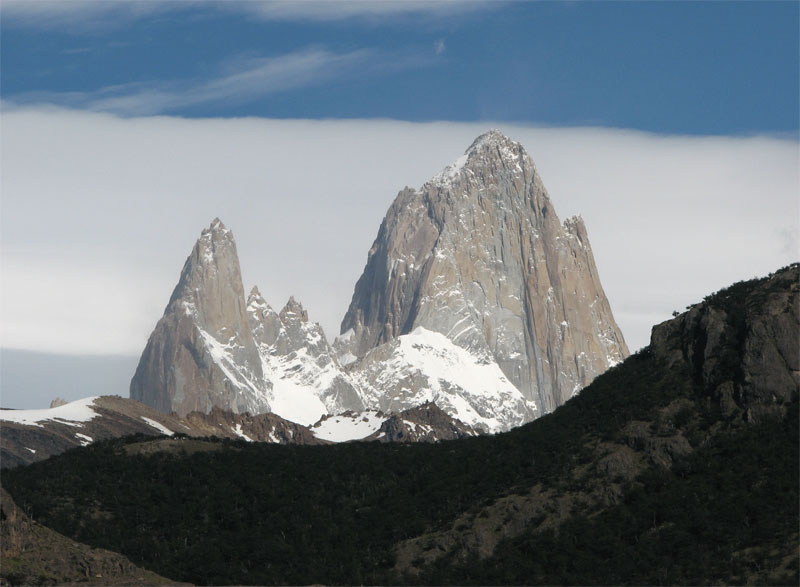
x=242 y=80
x=81 y=16
x=93 y=15
x=329 y=10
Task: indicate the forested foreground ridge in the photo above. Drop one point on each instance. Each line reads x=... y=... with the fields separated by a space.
x=679 y=466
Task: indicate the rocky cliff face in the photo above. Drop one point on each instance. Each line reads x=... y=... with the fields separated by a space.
x=425 y=423
x=202 y=353
x=742 y=344
x=475 y=296
x=479 y=255
x=213 y=349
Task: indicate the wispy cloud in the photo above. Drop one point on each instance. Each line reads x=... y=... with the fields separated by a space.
x=93 y=15
x=83 y=15
x=241 y=80
x=330 y=10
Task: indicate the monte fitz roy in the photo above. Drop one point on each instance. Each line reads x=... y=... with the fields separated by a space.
x=477 y=311
x=474 y=297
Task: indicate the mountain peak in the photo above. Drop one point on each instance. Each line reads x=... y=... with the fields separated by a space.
x=217 y=225
x=216 y=232
x=201 y=353
x=493 y=149
x=479 y=256
x=492 y=138
x=255 y=301
x=493 y=145
x=293 y=309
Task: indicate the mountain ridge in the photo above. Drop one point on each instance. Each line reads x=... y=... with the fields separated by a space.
x=474 y=267
x=649 y=476
x=29 y=436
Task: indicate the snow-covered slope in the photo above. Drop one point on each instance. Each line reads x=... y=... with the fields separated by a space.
x=305 y=380
x=426 y=366
x=72 y=414
x=348 y=426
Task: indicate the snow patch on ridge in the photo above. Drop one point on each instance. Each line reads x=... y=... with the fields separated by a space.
x=70 y=414
x=158 y=426
x=240 y=433
x=449 y=173
x=83 y=439
x=350 y=426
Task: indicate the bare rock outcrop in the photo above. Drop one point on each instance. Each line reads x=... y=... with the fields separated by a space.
x=202 y=354
x=215 y=349
x=479 y=255
x=742 y=344
x=425 y=423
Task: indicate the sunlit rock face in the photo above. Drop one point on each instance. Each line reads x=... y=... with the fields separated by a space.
x=475 y=297
x=201 y=353
x=479 y=255
x=214 y=349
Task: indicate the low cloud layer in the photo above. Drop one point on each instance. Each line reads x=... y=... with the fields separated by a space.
x=99 y=212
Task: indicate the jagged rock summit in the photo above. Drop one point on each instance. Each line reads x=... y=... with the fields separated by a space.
x=475 y=297
x=214 y=349
x=479 y=255
x=305 y=378
x=202 y=353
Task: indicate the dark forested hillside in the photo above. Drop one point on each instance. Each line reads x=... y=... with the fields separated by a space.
x=678 y=466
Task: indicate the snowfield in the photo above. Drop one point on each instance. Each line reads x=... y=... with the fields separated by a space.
x=71 y=414
x=347 y=427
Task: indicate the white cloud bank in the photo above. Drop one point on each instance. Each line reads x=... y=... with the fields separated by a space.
x=99 y=212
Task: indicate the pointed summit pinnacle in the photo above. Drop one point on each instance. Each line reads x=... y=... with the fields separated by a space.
x=201 y=353
x=293 y=309
x=494 y=145
x=493 y=151
x=256 y=301
x=216 y=230
x=492 y=138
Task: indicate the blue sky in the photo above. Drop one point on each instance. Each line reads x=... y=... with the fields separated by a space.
x=126 y=127
x=674 y=67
